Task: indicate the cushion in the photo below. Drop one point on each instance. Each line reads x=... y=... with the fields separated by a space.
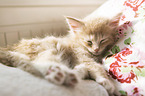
x=125 y=62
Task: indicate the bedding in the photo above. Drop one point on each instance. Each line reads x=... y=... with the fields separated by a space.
x=15 y=82
x=125 y=62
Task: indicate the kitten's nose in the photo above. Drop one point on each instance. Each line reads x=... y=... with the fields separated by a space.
x=96 y=50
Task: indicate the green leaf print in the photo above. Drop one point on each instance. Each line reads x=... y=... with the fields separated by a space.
x=123 y=93
x=115 y=49
x=132 y=31
x=137 y=71
x=127 y=41
x=142 y=72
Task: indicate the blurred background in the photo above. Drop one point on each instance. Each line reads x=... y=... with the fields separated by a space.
x=38 y=18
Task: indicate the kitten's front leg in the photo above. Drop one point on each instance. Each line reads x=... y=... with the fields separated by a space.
x=95 y=71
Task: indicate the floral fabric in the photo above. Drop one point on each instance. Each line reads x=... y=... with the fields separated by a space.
x=127 y=62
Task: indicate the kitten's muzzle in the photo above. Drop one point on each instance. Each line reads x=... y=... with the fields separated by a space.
x=96 y=50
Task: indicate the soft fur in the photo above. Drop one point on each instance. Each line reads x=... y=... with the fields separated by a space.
x=66 y=60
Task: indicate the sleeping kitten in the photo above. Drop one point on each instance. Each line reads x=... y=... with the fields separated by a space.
x=66 y=60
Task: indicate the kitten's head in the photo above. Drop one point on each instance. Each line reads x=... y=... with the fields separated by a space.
x=95 y=35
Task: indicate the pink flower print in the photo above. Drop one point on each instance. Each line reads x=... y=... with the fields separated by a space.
x=133 y=91
x=123 y=61
x=120 y=32
x=115 y=67
x=126 y=24
x=134 y=5
x=129 y=23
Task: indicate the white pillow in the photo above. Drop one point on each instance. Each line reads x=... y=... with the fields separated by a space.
x=15 y=82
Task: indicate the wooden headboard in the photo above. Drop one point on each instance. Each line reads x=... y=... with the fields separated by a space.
x=30 y=18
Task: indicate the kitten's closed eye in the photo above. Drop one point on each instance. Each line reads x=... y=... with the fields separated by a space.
x=89 y=43
x=103 y=41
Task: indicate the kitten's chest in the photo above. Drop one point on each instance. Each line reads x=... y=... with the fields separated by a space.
x=57 y=52
x=68 y=55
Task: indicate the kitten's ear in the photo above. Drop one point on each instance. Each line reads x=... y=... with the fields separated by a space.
x=74 y=24
x=115 y=21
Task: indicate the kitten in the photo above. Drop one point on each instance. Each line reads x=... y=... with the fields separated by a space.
x=66 y=60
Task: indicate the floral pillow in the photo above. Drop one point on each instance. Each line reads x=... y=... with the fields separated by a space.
x=125 y=62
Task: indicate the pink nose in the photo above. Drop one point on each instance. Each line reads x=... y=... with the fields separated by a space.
x=96 y=50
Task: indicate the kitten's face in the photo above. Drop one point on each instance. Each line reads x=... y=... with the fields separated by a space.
x=95 y=35
x=95 y=44
x=96 y=38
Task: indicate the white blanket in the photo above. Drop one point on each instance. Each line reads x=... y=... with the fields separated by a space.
x=15 y=82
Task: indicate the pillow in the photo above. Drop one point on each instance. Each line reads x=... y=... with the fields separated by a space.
x=16 y=82
x=125 y=62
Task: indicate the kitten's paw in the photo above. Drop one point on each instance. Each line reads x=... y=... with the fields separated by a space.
x=61 y=76
x=55 y=75
x=71 y=79
x=107 y=84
